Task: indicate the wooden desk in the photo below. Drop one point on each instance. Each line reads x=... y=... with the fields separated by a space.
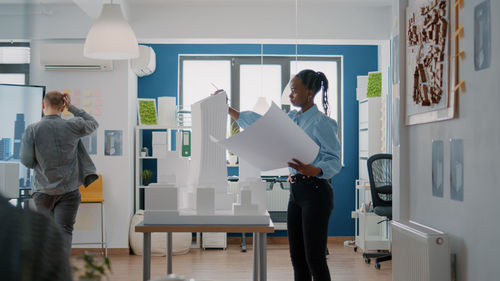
x=259 y=243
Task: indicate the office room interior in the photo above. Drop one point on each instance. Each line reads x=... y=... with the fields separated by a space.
x=412 y=83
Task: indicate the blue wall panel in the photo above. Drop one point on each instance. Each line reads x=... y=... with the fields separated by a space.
x=357 y=60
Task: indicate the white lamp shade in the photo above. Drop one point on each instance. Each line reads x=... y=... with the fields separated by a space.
x=111 y=37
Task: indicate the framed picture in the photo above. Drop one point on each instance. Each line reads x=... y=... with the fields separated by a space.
x=374 y=88
x=146 y=109
x=429 y=94
x=113 y=142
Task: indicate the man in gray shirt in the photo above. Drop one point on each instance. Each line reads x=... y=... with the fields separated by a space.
x=52 y=147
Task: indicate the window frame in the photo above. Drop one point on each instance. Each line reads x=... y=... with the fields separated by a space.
x=15 y=68
x=284 y=61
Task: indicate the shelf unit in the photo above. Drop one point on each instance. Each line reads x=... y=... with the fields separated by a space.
x=139 y=131
x=370 y=234
x=370 y=132
x=370 y=126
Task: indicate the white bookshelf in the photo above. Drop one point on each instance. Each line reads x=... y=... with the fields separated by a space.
x=370 y=126
x=369 y=233
x=139 y=160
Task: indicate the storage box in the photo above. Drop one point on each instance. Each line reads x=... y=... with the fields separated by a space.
x=205 y=201
x=214 y=240
x=161 y=197
x=160 y=138
x=160 y=150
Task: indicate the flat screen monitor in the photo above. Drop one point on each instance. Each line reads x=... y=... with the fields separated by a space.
x=20 y=105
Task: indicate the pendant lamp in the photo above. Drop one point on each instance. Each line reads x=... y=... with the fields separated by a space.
x=111 y=37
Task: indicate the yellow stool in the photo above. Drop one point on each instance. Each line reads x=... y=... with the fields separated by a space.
x=93 y=194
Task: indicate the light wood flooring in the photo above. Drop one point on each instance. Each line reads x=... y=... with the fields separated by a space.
x=233 y=265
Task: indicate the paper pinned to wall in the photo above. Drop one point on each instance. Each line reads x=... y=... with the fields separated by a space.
x=272 y=141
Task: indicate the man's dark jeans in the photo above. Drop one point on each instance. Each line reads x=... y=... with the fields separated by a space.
x=63 y=209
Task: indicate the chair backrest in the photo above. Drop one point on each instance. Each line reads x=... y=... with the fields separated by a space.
x=92 y=193
x=380 y=174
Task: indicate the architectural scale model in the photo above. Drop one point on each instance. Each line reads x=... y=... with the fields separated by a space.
x=195 y=191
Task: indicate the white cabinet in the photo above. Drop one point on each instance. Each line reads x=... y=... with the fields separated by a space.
x=370 y=229
x=214 y=240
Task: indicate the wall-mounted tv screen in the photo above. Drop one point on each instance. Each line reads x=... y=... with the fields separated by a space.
x=20 y=105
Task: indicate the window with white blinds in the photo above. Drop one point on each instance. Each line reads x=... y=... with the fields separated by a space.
x=15 y=61
x=15 y=55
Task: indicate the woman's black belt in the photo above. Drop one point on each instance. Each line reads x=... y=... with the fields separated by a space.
x=296 y=178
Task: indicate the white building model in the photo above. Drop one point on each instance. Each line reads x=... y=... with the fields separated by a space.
x=196 y=191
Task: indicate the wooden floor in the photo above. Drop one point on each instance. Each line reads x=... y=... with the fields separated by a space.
x=233 y=265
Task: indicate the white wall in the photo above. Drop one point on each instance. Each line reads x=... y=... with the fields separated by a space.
x=211 y=19
x=473 y=223
x=184 y=21
x=119 y=93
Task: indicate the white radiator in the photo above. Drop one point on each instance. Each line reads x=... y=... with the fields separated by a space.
x=277 y=204
x=419 y=253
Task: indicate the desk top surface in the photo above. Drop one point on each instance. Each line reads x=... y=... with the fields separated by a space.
x=140 y=227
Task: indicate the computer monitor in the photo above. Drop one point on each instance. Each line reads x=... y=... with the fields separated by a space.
x=20 y=105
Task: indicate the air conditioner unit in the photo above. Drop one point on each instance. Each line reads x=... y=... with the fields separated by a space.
x=145 y=64
x=70 y=57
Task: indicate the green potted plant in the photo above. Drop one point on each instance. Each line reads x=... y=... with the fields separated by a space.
x=146 y=177
x=94 y=267
x=144 y=152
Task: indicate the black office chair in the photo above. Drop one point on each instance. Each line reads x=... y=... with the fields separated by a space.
x=380 y=174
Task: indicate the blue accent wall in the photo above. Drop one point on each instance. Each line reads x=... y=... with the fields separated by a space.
x=357 y=60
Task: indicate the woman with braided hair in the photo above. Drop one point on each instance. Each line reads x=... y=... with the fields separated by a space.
x=311 y=195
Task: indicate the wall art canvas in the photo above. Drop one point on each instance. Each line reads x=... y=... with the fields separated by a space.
x=374 y=84
x=146 y=108
x=427 y=62
x=90 y=143
x=482 y=36
x=113 y=142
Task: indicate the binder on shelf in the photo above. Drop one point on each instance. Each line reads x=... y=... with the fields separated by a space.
x=186 y=143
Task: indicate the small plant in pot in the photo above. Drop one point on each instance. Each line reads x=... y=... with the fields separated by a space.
x=94 y=267
x=146 y=177
x=144 y=152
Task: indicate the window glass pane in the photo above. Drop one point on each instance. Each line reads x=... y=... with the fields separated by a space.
x=15 y=55
x=198 y=77
x=329 y=68
x=12 y=78
x=259 y=86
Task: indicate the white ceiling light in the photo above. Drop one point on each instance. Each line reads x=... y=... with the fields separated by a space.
x=111 y=37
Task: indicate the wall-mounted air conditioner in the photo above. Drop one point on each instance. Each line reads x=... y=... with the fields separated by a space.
x=145 y=64
x=55 y=56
